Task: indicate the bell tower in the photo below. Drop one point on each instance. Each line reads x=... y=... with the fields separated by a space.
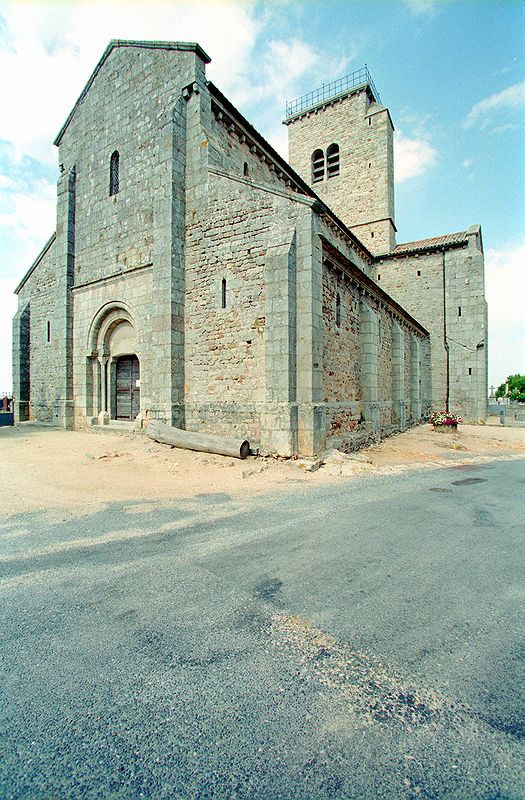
x=340 y=141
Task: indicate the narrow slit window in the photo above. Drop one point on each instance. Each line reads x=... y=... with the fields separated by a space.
x=338 y=310
x=223 y=293
x=419 y=273
x=48 y=331
x=317 y=166
x=459 y=311
x=470 y=370
x=379 y=277
x=245 y=169
x=332 y=161
x=114 y=174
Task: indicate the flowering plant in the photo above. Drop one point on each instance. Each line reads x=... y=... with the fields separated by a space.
x=445 y=418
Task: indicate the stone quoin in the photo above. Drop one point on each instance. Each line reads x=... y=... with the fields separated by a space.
x=197 y=278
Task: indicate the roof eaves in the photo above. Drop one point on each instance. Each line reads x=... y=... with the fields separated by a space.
x=114 y=43
x=36 y=262
x=372 y=286
x=320 y=205
x=447 y=242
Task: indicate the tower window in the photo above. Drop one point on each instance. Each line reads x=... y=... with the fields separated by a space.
x=470 y=370
x=317 y=166
x=245 y=169
x=114 y=169
x=48 y=331
x=419 y=273
x=371 y=234
x=332 y=160
x=338 y=310
x=223 y=293
x=378 y=276
x=459 y=311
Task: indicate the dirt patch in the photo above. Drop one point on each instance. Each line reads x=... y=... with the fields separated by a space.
x=49 y=468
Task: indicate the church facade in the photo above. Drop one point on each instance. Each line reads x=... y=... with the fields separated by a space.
x=197 y=277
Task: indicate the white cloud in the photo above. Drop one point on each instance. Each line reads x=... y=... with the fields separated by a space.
x=53 y=48
x=29 y=213
x=505 y=290
x=510 y=98
x=422 y=7
x=412 y=157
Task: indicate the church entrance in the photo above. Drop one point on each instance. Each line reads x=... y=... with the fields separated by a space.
x=127 y=385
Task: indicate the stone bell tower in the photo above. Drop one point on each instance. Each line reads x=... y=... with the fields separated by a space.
x=340 y=141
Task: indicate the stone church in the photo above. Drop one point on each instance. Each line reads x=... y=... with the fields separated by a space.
x=197 y=277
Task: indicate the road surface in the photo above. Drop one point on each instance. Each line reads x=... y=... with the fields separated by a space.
x=356 y=641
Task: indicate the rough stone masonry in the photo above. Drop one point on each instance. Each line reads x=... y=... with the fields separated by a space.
x=198 y=278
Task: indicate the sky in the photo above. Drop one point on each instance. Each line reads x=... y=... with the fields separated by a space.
x=451 y=73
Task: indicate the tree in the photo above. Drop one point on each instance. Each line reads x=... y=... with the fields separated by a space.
x=513 y=388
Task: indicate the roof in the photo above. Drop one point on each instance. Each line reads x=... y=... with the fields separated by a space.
x=114 y=43
x=436 y=243
x=285 y=166
x=36 y=262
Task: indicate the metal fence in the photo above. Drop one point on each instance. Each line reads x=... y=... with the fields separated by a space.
x=329 y=90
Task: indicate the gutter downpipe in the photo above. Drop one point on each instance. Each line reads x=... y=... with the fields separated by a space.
x=445 y=343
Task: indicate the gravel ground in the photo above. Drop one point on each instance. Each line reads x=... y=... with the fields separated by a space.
x=315 y=636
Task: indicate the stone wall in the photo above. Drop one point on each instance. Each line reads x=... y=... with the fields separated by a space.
x=362 y=194
x=416 y=282
x=35 y=386
x=131 y=292
x=135 y=107
x=129 y=109
x=375 y=364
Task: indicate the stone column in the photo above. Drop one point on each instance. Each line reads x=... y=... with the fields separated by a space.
x=63 y=407
x=103 y=417
x=368 y=339
x=398 y=374
x=97 y=389
x=112 y=388
x=21 y=363
x=309 y=326
x=415 y=379
x=279 y=417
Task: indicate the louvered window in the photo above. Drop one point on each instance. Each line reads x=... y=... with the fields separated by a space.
x=332 y=161
x=317 y=166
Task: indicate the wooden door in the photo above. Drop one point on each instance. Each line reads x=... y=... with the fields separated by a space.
x=127 y=387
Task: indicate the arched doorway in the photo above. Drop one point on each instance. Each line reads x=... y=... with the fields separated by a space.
x=113 y=366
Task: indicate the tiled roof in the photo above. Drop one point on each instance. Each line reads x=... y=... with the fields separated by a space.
x=449 y=240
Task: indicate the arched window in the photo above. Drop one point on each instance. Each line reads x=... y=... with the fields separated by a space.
x=317 y=166
x=223 y=293
x=114 y=165
x=332 y=161
x=338 y=310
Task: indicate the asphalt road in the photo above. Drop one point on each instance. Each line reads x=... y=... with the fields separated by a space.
x=361 y=641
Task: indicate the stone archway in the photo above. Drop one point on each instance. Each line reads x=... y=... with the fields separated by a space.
x=112 y=341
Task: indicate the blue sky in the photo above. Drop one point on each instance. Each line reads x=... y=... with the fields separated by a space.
x=451 y=73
